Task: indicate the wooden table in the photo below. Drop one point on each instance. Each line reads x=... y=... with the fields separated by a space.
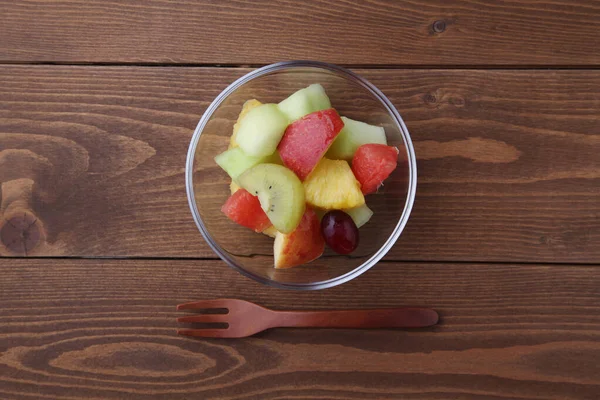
x=98 y=101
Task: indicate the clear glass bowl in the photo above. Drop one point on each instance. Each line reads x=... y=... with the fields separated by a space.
x=208 y=186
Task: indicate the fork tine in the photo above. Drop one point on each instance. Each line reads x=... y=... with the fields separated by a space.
x=216 y=303
x=204 y=332
x=206 y=318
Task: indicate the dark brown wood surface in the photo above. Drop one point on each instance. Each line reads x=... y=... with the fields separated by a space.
x=104 y=329
x=97 y=244
x=508 y=161
x=382 y=32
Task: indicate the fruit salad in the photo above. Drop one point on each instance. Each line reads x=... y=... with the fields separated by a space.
x=300 y=173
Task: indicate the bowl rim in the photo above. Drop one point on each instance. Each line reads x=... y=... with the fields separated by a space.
x=412 y=184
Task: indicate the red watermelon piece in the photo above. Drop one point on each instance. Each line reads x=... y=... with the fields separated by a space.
x=244 y=209
x=372 y=164
x=306 y=140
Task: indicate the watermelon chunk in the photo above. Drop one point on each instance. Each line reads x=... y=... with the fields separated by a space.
x=244 y=209
x=372 y=164
x=307 y=139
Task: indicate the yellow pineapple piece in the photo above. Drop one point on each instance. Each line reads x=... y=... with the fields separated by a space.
x=332 y=185
x=248 y=105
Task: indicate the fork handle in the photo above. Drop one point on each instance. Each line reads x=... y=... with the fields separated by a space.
x=378 y=318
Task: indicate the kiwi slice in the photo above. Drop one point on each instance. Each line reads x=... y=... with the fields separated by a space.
x=280 y=193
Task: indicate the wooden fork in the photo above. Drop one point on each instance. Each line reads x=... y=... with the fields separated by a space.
x=245 y=318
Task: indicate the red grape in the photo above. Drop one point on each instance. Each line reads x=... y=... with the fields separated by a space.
x=339 y=231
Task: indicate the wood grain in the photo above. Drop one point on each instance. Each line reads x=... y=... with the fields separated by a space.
x=508 y=161
x=382 y=32
x=105 y=329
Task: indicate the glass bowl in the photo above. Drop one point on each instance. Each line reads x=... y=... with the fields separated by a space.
x=251 y=253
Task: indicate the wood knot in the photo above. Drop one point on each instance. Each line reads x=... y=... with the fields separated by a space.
x=438 y=26
x=20 y=233
x=429 y=98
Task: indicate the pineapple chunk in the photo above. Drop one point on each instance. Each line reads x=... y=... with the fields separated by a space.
x=248 y=105
x=332 y=185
